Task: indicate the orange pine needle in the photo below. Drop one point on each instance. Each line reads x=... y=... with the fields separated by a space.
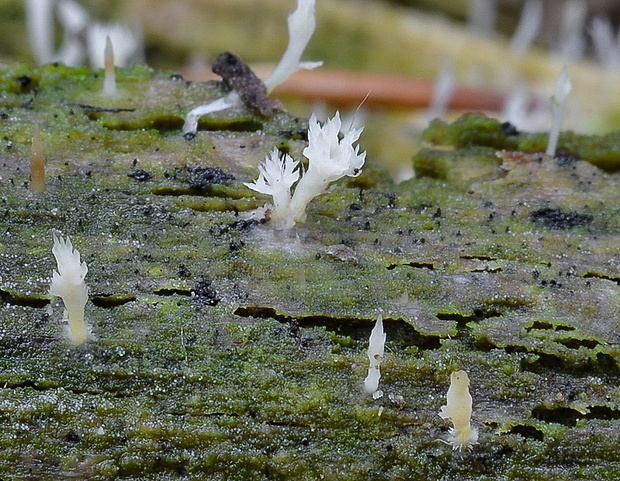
x=37 y=162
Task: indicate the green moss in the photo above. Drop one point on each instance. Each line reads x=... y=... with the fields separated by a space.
x=477 y=130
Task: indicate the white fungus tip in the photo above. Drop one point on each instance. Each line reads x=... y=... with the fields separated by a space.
x=376 y=346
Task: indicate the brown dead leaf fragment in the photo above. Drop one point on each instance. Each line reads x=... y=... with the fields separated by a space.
x=239 y=77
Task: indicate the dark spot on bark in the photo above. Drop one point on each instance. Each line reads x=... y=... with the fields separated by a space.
x=140 y=175
x=72 y=437
x=509 y=128
x=24 y=81
x=245 y=225
x=204 y=177
x=556 y=218
x=205 y=293
x=564 y=158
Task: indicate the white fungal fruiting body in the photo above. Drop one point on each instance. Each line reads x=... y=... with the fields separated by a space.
x=191 y=119
x=109 y=81
x=376 y=345
x=329 y=159
x=68 y=283
x=301 y=25
x=458 y=412
x=563 y=86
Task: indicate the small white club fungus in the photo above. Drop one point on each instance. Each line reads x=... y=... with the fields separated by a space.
x=458 y=412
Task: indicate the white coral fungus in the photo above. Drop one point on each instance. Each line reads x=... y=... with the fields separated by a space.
x=376 y=345
x=329 y=159
x=458 y=412
x=276 y=178
x=68 y=283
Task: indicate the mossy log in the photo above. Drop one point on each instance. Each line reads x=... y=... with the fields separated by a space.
x=225 y=350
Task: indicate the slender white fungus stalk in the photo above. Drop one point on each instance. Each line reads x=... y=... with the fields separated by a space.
x=40 y=28
x=191 y=119
x=376 y=345
x=458 y=412
x=68 y=283
x=443 y=89
x=37 y=162
x=330 y=158
x=571 y=39
x=75 y=21
x=606 y=44
x=128 y=44
x=563 y=86
x=519 y=111
x=109 y=81
x=528 y=28
x=301 y=25
x=482 y=15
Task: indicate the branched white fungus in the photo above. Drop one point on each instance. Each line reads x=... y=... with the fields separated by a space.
x=458 y=412
x=68 y=283
x=571 y=40
x=329 y=159
x=563 y=86
x=276 y=178
x=40 y=28
x=376 y=345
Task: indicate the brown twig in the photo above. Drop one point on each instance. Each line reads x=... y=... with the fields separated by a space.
x=347 y=89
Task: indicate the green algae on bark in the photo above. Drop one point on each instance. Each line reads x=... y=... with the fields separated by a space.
x=225 y=350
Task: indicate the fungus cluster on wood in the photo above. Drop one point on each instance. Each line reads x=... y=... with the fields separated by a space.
x=330 y=158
